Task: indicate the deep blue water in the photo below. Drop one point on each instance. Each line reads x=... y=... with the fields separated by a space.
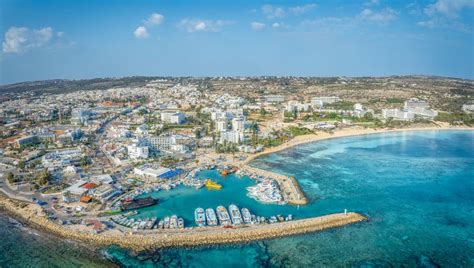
x=416 y=187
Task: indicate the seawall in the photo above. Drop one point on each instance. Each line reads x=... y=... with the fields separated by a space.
x=31 y=213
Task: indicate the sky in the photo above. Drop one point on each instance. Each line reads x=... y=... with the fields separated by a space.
x=78 y=39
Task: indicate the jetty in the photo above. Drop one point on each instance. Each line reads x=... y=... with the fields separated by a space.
x=31 y=214
x=290 y=188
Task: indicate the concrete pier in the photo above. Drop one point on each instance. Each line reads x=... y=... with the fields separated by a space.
x=31 y=213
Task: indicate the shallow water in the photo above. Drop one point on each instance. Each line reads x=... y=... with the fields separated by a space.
x=416 y=187
x=21 y=246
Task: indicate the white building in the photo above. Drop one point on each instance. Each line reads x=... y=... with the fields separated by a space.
x=150 y=172
x=231 y=136
x=137 y=152
x=320 y=101
x=415 y=103
x=274 y=98
x=296 y=106
x=238 y=124
x=105 y=192
x=173 y=117
x=468 y=108
x=221 y=126
x=397 y=114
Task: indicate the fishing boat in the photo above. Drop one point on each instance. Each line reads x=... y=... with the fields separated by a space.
x=174 y=222
x=166 y=224
x=180 y=223
x=211 y=217
x=199 y=217
x=246 y=216
x=235 y=214
x=211 y=185
x=223 y=216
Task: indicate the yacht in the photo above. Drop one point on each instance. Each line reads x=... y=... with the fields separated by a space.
x=246 y=216
x=235 y=214
x=223 y=216
x=199 y=217
x=211 y=217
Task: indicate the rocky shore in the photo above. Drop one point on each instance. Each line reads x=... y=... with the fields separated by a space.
x=32 y=215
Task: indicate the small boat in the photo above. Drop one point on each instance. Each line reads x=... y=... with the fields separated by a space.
x=211 y=217
x=247 y=217
x=211 y=185
x=223 y=216
x=235 y=214
x=199 y=217
x=180 y=223
x=160 y=224
x=224 y=172
x=166 y=222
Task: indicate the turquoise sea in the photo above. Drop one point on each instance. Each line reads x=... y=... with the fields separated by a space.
x=417 y=187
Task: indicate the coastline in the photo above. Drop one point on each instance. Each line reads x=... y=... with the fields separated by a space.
x=303 y=139
x=31 y=215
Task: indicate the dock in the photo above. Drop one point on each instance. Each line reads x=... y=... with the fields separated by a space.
x=289 y=187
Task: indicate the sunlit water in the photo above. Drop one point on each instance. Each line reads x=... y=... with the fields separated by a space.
x=416 y=187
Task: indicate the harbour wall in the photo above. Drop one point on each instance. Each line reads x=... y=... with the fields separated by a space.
x=31 y=213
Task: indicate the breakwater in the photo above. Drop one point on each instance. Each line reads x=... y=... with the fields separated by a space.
x=289 y=187
x=32 y=214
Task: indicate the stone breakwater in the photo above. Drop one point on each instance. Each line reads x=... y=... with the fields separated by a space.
x=290 y=188
x=180 y=238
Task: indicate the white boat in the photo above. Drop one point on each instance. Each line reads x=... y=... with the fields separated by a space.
x=174 y=222
x=161 y=224
x=180 y=223
x=211 y=217
x=235 y=215
x=223 y=216
x=166 y=222
x=247 y=217
x=199 y=217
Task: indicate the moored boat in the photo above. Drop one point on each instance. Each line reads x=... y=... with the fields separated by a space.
x=235 y=214
x=180 y=223
x=166 y=223
x=174 y=222
x=211 y=217
x=199 y=217
x=247 y=217
x=223 y=216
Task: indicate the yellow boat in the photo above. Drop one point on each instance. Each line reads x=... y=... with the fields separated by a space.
x=211 y=185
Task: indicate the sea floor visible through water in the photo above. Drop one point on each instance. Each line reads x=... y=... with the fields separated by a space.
x=417 y=188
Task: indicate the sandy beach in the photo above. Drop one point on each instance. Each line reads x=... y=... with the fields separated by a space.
x=321 y=135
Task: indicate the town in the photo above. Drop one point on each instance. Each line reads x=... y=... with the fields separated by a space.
x=87 y=155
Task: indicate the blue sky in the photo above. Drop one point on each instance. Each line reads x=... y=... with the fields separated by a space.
x=85 y=39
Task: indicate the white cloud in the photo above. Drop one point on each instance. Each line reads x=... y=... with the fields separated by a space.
x=199 y=25
x=273 y=12
x=257 y=25
x=20 y=39
x=382 y=16
x=154 y=19
x=448 y=8
x=298 y=10
x=276 y=25
x=372 y=3
x=141 y=32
